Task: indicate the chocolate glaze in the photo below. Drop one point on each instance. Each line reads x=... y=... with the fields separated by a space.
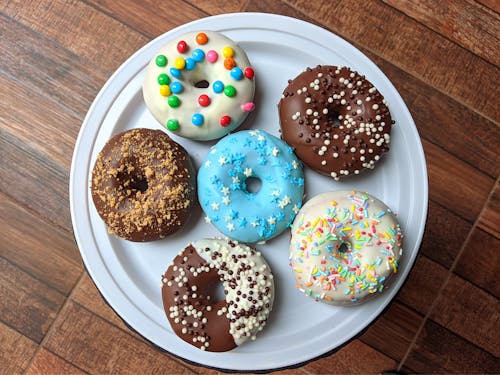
x=143 y=185
x=332 y=123
x=216 y=328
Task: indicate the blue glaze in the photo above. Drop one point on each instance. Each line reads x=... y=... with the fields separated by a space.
x=222 y=193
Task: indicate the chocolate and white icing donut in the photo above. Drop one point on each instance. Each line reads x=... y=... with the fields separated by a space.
x=337 y=122
x=189 y=286
x=200 y=85
x=345 y=246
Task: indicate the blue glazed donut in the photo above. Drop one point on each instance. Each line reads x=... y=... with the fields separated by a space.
x=222 y=186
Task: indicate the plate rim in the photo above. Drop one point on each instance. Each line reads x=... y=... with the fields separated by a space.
x=280 y=20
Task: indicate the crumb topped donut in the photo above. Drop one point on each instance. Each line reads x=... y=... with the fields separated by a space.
x=229 y=202
x=337 y=122
x=345 y=246
x=200 y=85
x=188 y=294
x=143 y=185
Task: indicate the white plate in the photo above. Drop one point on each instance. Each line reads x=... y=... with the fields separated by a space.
x=128 y=274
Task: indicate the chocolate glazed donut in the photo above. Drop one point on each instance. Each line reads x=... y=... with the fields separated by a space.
x=336 y=120
x=143 y=185
x=194 y=313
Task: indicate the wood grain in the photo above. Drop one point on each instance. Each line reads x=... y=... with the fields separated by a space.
x=347 y=361
x=40 y=183
x=214 y=7
x=444 y=235
x=393 y=332
x=47 y=70
x=489 y=221
x=87 y=295
x=96 y=346
x=455 y=185
x=469 y=312
x=467 y=23
x=413 y=48
x=16 y=351
x=480 y=261
x=55 y=259
x=438 y=350
x=491 y=4
x=423 y=285
x=79 y=28
x=158 y=14
x=48 y=363
x=28 y=305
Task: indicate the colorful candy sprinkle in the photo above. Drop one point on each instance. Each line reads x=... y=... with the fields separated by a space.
x=165 y=90
x=176 y=87
x=227 y=51
x=236 y=73
x=175 y=73
x=179 y=63
x=161 y=60
x=248 y=107
x=249 y=73
x=218 y=87
x=212 y=56
x=229 y=63
x=173 y=101
x=182 y=46
x=225 y=121
x=229 y=91
x=190 y=63
x=204 y=100
x=163 y=79
x=201 y=38
x=198 y=55
x=172 y=124
x=197 y=119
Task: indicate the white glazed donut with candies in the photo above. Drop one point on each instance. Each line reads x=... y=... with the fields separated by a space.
x=200 y=85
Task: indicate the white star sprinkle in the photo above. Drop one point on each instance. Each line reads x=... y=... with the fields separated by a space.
x=255 y=224
x=222 y=160
x=236 y=180
x=271 y=220
x=208 y=163
x=284 y=202
x=248 y=172
x=213 y=151
x=225 y=190
x=215 y=206
x=226 y=200
x=296 y=209
x=253 y=133
x=276 y=151
x=276 y=193
x=261 y=138
x=207 y=220
x=295 y=164
x=230 y=227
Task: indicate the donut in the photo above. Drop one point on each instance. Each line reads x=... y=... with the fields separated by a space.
x=143 y=185
x=225 y=190
x=345 y=246
x=336 y=120
x=188 y=291
x=200 y=85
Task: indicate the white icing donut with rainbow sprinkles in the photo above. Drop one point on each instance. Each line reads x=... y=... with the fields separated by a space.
x=200 y=85
x=345 y=246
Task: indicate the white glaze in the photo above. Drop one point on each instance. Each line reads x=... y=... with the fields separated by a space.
x=236 y=107
x=357 y=220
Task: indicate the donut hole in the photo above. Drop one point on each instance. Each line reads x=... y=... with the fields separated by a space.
x=216 y=292
x=253 y=184
x=141 y=184
x=201 y=84
x=344 y=247
x=333 y=117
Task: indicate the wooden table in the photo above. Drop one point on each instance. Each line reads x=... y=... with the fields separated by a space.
x=443 y=57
